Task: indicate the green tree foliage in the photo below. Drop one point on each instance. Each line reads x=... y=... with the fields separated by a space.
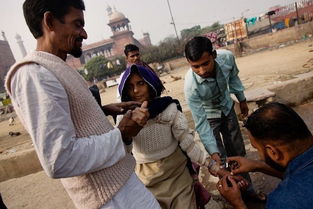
x=188 y=33
x=119 y=64
x=151 y=54
x=214 y=27
x=168 y=48
x=101 y=68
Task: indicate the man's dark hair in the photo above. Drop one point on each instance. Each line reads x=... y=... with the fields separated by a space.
x=34 y=11
x=277 y=122
x=196 y=47
x=129 y=48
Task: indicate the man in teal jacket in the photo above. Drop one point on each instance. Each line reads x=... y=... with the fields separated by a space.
x=208 y=84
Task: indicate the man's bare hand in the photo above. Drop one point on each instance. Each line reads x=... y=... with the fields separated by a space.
x=216 y=156
x=133 y=121
x=241 y=182
x=229 y=189
x=240 y=164
x=243 y=165
x=115 y=109
x=244 y=108
x=141 y=114
x=128 y=127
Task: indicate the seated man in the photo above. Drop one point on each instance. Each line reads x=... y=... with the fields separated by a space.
x=284 y=143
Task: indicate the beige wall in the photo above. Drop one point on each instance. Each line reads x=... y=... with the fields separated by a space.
x=281 y=36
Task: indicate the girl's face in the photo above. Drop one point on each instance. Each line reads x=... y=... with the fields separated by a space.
x=137 y=88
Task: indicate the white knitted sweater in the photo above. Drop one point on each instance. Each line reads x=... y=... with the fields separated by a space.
x=92 y=190
x=161 y=135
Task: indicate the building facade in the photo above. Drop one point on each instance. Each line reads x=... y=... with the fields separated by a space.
x=122 y=35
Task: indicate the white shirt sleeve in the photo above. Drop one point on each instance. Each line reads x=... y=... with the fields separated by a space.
x=42 y=105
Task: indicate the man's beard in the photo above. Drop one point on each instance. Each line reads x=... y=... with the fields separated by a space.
x=273 y=164
x=76 y=52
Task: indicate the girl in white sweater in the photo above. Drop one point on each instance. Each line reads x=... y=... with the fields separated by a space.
x=159 y=146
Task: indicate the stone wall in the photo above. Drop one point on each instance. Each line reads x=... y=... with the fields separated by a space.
x=279 y=37
x=275 y=39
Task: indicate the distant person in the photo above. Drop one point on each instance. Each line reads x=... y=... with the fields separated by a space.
x=72 y=137
x=160 y=146
x=208 y=84
x=285 y=147
x=132 y=55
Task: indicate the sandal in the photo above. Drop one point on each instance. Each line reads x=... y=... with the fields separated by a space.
x=14 y=133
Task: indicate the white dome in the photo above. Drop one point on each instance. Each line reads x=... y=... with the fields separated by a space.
x=117 y=16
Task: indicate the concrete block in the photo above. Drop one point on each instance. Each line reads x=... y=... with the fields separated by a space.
x=255 y=98
x=19 y=164
x=294 y=91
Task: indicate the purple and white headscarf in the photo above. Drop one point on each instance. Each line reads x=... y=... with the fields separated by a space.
x=147 y=74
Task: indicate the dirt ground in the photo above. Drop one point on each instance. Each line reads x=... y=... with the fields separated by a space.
x=256 y=70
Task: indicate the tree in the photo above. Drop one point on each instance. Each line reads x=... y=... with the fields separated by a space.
x=119 y=64
x=214 y=27
x=151 y=54
x=168 y=48
x=188 y=33
x=100 y=68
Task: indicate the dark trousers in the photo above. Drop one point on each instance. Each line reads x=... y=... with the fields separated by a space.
x=229 y=139
x=228 y=135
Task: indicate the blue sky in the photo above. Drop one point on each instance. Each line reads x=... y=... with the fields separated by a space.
x=150 y=16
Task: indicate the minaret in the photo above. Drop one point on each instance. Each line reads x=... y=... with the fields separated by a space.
x=4 y=37
x=121 y=30
x=20 y=44
x=109 y=10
